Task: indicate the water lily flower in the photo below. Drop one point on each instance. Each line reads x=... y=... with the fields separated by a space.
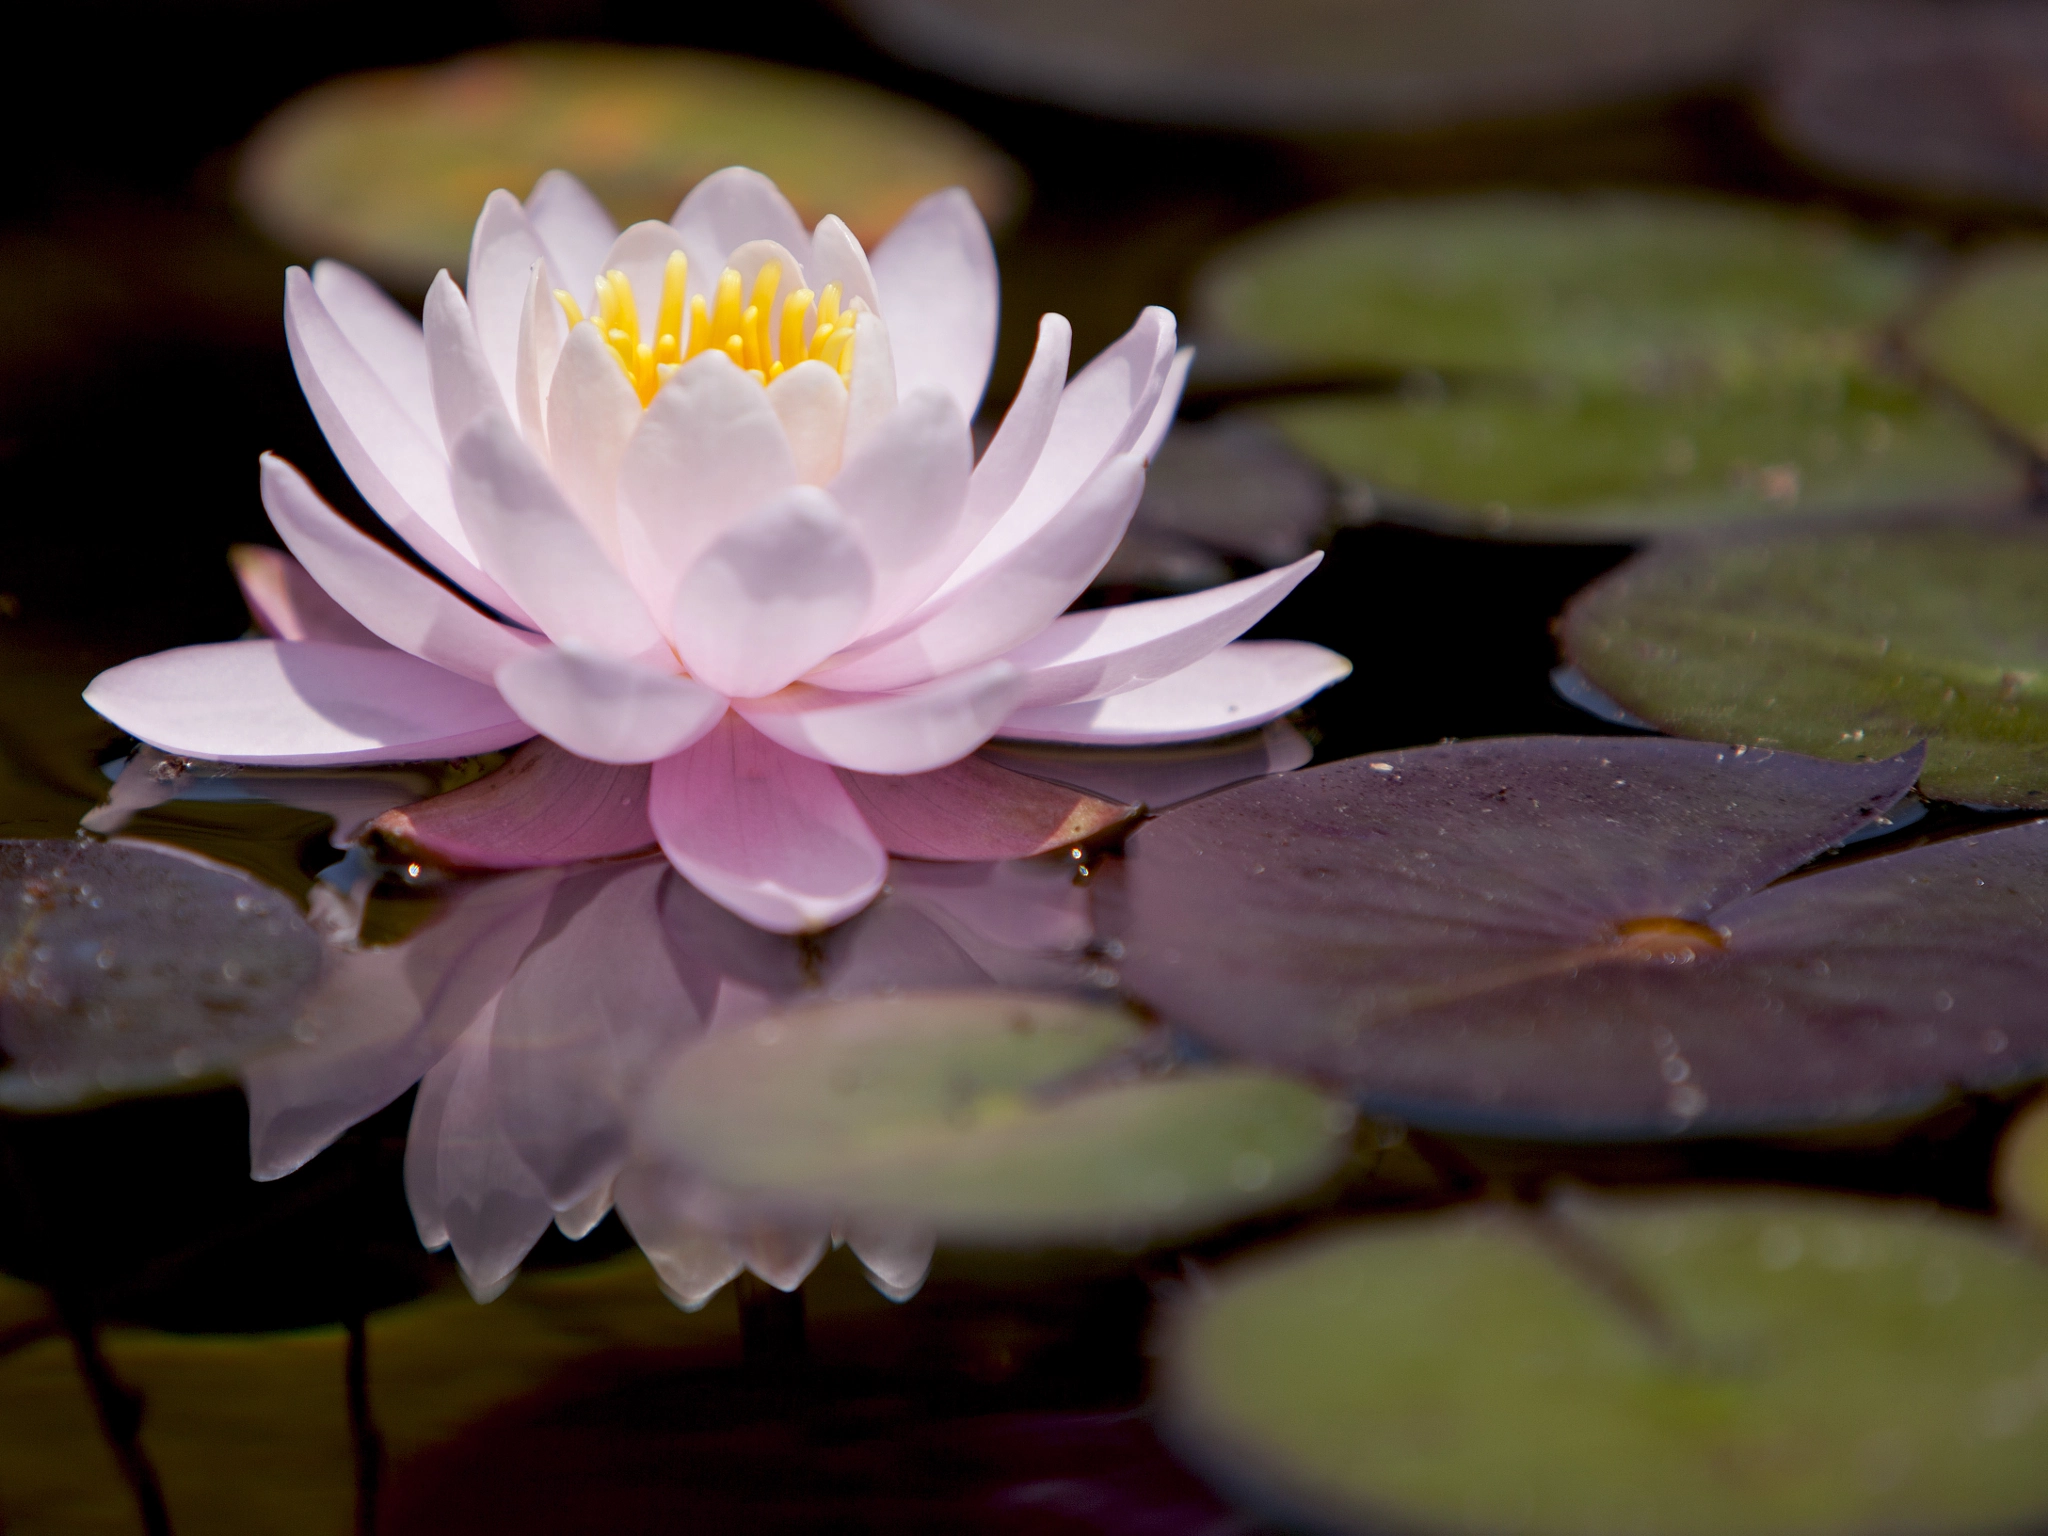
x=700 y=499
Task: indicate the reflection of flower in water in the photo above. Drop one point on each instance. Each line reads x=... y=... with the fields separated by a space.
x=715 y=482
x=535 y=1005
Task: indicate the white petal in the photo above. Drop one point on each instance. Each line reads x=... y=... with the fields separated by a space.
x=1008 y=601
x=592 y=414
x=641 y=252
x=574 y=227
x=387 y=337
x=1147 y=444
x=1233 y=689
x=730 y=207
x=897 y=1258
x=708 y=451
x=533 y=542
x=782 y=589
x=400 y=605
x=1102 y=651
x=904 y=492
x=464 y=389
x=810 y=402
x=542 y=330
x=287 y=603
x=783 y=1256
x=836 y=257
x=300 y=703
x=936 y=272
x=502 y=252
x=765 y=833
x=914 y=731
x=871 y=385
x=1013 y=452
x=607 y=710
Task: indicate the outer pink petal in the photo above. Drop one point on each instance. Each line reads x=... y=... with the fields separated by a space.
x=607 y=710
x=501 y=256
x=913 y=731
x=1232 y=689
x=1009 y=601
x=1101 y=651
x=532 y=540
x=402 y=606
x=782 y=589
x=936 y=271
x=465 y=389
x=542 y=331
x=708 y=451
x=573 y=226
x=1176 y=382
x=730 y=207
x=765 y=833
x=592 y=413
x=1013 y=452
x=904 y=492
x=546 y=806
x=287 y=604
x=299 y=703
x=387 y=338
x=974 y=810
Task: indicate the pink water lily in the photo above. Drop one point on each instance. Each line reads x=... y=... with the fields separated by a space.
x=702 y=495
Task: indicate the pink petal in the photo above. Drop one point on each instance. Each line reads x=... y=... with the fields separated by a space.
x=913 y=731
x=574 y=228
x=501 y=256
x=1008 y=601
x=936 y=271
x=1000 y=912
x=769 y=835
x=303 y=702
x=546 y=806
x=781 y=589
x=730 y=207
x=709 y=450
x=1170 y=391
x=836 y=257
x=810 y=402
x=1014 y=451
x=1102 y=651
x=904 y=492
x=896 y=1258
x=692 y=1261
x=383 y=334
x=287 y=604
x=465 y=389
x=592 y=413
x=532 y=540
x=1102 y=413
x=607 y=710
x=542 y=331
x=402 y=606
x=641 y=252
x=871 y=383
x=974 y=810
x=1231 y=689
x=401 y=470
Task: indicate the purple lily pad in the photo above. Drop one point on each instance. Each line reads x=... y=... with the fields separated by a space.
x=1579 y=939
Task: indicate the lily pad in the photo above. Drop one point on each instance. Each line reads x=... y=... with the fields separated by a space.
x=1563 y=463
x=1616 y=289
x=1769 y=1364
x=1848 y=645
x=388 y=169
x=985 y=1117
x=2022 y=1172
x=1579 y=939
x=1937 y=99
x=129 y=967
x=1324 y=64
x=1988 y=335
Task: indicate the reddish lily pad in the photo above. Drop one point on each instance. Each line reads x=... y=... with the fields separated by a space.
x=1580 y=939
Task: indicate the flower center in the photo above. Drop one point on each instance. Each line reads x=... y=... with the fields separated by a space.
x=746 y=327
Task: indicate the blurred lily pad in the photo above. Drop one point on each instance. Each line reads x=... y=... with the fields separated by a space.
x=130 y=967
x=1650 y=291
x=2022 y=1171
x=1324 y=64
x=388 y=169
x=1846 y=645
x=1987 y=334
x=1579 y=939
x=985 y=1117
x=1937 y=99
x=1563 y=463
x=1656 y=1366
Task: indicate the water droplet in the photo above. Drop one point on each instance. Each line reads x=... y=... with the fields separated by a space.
x=1943 y=1002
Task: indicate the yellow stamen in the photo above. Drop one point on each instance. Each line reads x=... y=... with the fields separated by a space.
x=766 y=284
x=569 y=307
x=725 y=309
x=628 y=318
x=834 y=352
x=828 y=309
x=736 y=350
x=700 y=327
x=791 y=351
x=750 y=337
x=668 y=325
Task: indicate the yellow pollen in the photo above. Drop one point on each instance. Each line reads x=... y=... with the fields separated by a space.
x=749 y=332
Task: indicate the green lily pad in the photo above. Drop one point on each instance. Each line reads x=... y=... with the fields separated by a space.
x=2022 y=1172
x=1565 y=463
x=131 y=967
x=388 y=169
x=1988 y=335
x=1656 y=1366
x=1648 y=291
x=985 y=1117
x=1844 y=645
